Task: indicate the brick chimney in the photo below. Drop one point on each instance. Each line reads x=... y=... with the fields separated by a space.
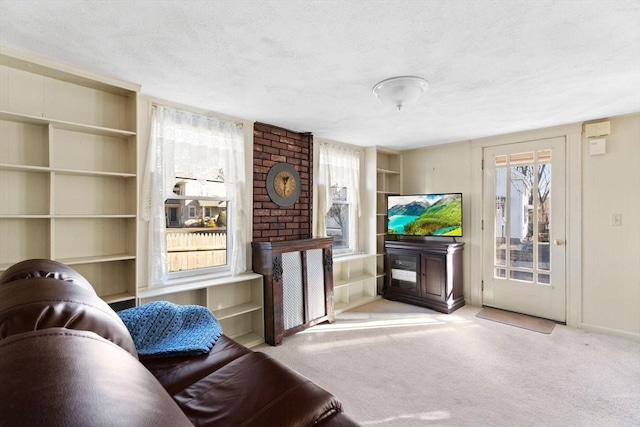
x=271 y=145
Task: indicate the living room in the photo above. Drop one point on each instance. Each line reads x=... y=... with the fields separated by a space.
x=599 y=243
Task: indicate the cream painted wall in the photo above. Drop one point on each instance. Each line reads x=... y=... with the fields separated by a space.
x=606 y=297
x=443 y=169
x=611 y=254
x=603 y=292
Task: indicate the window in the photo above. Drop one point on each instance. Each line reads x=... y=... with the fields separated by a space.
x=337 y=218
x=197 y=224
x=193 y=196
x=338 y=193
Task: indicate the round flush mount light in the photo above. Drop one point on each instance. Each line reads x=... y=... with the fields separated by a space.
x=399 y=91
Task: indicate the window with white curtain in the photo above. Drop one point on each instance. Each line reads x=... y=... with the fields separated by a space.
x=192 y=196
x=338 y=196
x=196 y=225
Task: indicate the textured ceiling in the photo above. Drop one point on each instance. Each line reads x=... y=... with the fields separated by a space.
x=494 y=67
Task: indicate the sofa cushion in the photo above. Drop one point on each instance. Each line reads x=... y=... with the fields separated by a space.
x=177 y=373
x=256 y=390
x=44 y=302
x=66 y=377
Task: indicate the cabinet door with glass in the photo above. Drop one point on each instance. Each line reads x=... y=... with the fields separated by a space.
x=403 y=272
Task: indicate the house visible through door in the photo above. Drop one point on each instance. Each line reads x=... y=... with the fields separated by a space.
x=524 y=228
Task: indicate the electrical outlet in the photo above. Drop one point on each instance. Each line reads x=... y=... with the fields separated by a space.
x=616 y=219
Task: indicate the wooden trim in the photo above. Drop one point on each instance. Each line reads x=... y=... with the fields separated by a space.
x=267 y=260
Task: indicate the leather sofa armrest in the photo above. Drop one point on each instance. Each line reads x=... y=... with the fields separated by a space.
x=45 y=302
x=58 y=376
x=256 y=390
x=37 y=268
x=338 y=419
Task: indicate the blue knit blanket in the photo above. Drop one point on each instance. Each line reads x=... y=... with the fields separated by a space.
x=164 y=329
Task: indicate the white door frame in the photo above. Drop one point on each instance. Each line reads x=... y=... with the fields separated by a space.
x=531 y=295
x=573 y=210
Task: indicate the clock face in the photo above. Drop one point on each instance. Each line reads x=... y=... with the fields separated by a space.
x=283 y=184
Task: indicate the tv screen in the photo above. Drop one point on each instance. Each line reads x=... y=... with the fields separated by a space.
x=425 y=215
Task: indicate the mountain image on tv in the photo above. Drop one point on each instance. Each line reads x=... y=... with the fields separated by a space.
x=425 y=215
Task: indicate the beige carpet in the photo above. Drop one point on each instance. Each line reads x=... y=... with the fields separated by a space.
x=531 y=323
x=394 y=364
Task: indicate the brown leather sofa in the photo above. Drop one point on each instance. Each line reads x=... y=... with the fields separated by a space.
x=67 y=359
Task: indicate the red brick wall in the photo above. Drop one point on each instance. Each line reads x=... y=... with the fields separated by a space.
x=272 y=145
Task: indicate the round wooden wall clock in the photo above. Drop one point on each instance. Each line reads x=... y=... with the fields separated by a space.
x=283 y=184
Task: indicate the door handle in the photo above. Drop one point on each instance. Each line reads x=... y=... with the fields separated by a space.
x=558 y=242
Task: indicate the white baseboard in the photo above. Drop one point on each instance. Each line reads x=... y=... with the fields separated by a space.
x=609 y=331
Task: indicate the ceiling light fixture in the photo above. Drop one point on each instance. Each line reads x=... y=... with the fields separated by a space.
x=400 y=91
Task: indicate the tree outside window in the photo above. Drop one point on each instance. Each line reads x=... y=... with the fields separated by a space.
x=338 y=196
x=337 y=219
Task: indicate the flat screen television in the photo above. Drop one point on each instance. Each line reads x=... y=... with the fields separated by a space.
x=425 y=215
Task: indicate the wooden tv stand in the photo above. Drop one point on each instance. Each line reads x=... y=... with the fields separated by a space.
x=425 y=273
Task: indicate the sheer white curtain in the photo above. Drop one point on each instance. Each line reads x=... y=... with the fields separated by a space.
x=192 y=146
x=339 y=166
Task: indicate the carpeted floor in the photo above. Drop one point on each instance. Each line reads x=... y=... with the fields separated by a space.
x=394 y=364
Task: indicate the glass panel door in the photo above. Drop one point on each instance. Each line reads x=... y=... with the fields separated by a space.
x=522 y=216
x=404 y=272
x=524 y=207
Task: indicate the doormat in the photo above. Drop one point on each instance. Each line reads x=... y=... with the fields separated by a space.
x=531 y=323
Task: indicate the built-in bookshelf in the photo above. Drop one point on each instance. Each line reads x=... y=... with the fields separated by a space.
x=69 y=190
x=68 y=179
x=354 y=281
x=237 y=303
x=388 y=182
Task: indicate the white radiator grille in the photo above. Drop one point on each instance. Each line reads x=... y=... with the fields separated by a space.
x=293 y=303
x=315 y=282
